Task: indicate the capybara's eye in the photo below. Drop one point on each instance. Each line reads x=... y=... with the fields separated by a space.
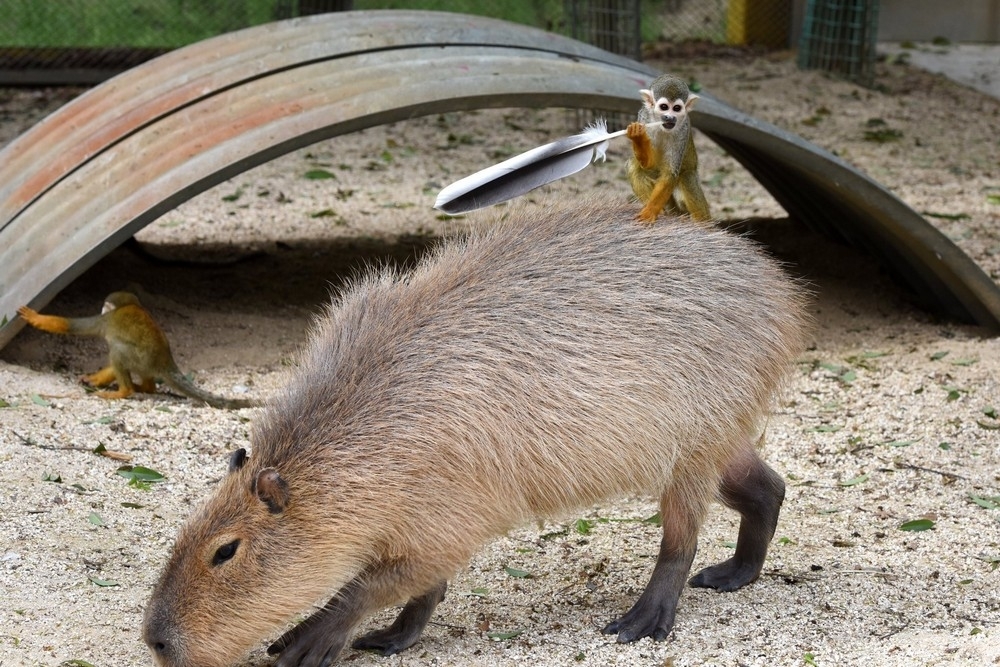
x=225 y=552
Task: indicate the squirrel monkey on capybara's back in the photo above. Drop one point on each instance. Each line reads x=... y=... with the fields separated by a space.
x=664 y=157
x=136 y=346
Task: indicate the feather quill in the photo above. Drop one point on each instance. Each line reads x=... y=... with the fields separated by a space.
x=529 y=170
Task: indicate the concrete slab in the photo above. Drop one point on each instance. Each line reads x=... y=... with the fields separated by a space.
x=973 y=65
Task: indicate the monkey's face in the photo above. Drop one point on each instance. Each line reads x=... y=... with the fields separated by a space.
x=670 y=108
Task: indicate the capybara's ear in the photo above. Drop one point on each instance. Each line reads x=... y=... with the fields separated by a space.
x=237 y=459
x=272 y=490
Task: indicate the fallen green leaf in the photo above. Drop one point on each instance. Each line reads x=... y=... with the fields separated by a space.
x=139 y=477
x=948 y=216
x=76 y=662
x=503 y=636
x=38 y=400
x=939 y=355
x=318 y=174
x=990 y=412
x=105 y=583
x=582 y=526
x=52 y=477
x=4 y=404
x=854 y=481
x=517 y=574
x=917 y=525
x=479 y=592
x=987 y=502
x=95 y=519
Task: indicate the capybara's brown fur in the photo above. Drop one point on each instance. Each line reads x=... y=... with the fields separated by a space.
x=548 y=361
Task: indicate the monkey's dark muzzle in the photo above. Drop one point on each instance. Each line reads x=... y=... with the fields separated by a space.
x=669 y=122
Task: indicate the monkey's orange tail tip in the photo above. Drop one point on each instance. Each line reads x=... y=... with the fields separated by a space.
x=529 y=170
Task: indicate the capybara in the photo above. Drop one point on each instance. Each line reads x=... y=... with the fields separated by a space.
x=547 y=361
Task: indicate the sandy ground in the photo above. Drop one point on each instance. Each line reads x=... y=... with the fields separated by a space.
x=891 y=416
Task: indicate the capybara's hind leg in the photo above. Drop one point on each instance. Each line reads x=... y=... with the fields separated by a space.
x=408 y=626
x=753 y=489
x=653 y=613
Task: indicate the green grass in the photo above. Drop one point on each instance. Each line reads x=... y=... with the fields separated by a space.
x=173 y=23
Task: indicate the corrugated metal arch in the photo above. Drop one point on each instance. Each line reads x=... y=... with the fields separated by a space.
x=113 y=160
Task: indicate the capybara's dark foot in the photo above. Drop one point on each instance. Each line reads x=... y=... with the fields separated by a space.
x=643 y=620
x=727 y=576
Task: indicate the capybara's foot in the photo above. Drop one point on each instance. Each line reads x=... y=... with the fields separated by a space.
x=727 y=576
x=308 y=645
x=643 y=620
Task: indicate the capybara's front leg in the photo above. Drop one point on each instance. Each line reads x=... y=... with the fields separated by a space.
x=319 y=639
x=408 y=626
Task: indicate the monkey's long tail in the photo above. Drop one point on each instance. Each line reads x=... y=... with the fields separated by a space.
x=178 y=382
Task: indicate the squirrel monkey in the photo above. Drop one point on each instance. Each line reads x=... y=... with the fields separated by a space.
x=136 y=346
x=664 y=158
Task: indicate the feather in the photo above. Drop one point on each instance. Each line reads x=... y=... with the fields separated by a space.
x=527 y=171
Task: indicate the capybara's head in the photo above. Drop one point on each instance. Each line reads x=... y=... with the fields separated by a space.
x=243 y=564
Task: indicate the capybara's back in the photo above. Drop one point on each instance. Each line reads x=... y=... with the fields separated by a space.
x=548 y=361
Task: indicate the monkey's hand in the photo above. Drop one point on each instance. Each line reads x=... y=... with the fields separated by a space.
x=28 y=315
x=49 y=323
x=642 y=148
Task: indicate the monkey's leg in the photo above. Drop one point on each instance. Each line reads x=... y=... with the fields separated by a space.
x=101 y=378
x=320 y=638
x=408 y=626
x=753 y=489
x=642 y=148
x=147 y=385
x=662 y=192
x=125 y=386
x=653 y=613
x=694 y=196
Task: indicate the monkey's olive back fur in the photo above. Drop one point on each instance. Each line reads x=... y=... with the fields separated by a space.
x=548 y=361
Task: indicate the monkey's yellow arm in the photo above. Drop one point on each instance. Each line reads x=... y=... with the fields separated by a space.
x=525 y=172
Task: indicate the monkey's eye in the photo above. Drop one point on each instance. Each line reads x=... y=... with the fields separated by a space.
x=677 y=108
x=664 y=106
x=225 y=552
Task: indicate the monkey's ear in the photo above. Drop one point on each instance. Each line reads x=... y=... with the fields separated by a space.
x=237 y=459
x=647 y=98
x=692 y=98
x=272 y=490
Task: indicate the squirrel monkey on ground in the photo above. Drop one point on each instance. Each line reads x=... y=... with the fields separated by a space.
x=136 y=346
x=664 y=158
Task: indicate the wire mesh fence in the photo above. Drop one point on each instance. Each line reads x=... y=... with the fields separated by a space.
x=84 y=41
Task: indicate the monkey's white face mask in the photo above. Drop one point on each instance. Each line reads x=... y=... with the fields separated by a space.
x=670 y=111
